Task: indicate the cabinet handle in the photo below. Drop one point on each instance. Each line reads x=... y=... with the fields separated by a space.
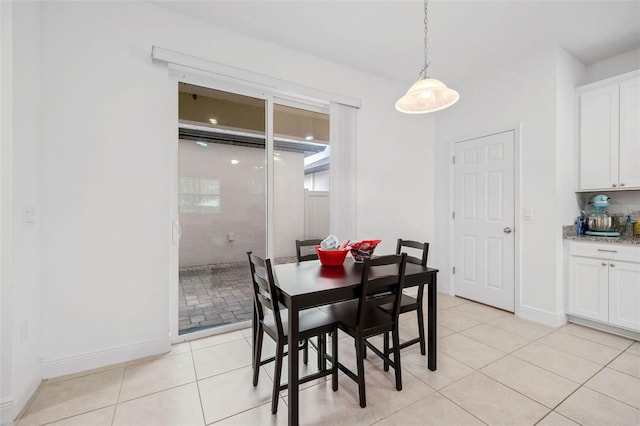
x=608 y=251
x=604 y=264
x=614 y=185
x=621 y=184
x=612 y=264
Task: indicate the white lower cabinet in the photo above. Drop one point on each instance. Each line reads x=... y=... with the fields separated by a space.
x=624 y=294
x=604 y=284
x=589 y=288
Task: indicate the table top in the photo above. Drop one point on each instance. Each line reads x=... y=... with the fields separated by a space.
x=309 y=278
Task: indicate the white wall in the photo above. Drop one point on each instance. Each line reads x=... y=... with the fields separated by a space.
x=206 y=233
x=6 y=204
x=619 y=64
x=570 y=74
x=523 y=93
x=396 y=177
x=21 y=344
x=105 y=156
x=539 y=93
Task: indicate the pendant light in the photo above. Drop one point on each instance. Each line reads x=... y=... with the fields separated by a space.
x=426 y=94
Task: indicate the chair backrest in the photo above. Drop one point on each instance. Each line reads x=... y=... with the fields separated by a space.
x=264 y=289
x=302 y=249
x=416 y=245
x=382 y=283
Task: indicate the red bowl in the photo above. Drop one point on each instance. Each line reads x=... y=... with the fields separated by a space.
x=331 y=257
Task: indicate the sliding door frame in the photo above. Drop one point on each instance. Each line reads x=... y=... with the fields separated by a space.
x=271 y=98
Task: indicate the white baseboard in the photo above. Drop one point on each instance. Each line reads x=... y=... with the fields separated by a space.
x=551 y=319
x=609 y=328
x=83 y=362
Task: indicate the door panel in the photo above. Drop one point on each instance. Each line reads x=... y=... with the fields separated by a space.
x=599 y=138
x=484 y=210
x=624 y=294
x=588 y=288
x=221 y=205
x=630 y=133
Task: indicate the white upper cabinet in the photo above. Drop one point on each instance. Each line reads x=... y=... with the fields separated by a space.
x=629 y=172
x=609 y=127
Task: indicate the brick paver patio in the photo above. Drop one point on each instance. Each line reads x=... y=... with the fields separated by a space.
x=214 y=295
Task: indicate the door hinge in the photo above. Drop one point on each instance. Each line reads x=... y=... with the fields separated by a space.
x=453 y=215
x=453 y=159
x=454 y=270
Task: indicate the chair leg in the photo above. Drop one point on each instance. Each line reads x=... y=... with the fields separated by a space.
x=324 y=352
x=360 y=361
x=396 y=357
x=257 y=354
x=277 y=373
x=305 y=354
x=334 y=357
x=387 y=352
x=321 y=350
x=421 y=329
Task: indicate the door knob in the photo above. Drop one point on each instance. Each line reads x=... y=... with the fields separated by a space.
x=507 y=230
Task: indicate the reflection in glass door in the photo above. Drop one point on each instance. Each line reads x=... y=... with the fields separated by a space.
x=221 y=203
x=301 y=178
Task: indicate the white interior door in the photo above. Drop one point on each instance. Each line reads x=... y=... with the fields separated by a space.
x=484 y=220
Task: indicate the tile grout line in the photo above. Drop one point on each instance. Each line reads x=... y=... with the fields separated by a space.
x=195 y=374
x=496 y=360
x=113 y=416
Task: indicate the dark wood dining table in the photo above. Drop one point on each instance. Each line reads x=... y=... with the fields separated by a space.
x=306 y=285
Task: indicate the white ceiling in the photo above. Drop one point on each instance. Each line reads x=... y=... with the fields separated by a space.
x=385 y=37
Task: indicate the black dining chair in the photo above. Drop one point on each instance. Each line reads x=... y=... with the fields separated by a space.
x=410 y=303
x=272 y=320
x=305 y=249
x=381 y=283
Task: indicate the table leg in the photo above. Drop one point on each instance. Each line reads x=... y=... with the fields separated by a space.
x=432 y=315
x=293 y=365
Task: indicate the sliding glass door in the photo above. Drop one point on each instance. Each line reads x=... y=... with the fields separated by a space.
x=252 y=176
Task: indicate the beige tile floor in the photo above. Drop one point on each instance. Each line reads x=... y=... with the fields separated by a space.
x=493 y=368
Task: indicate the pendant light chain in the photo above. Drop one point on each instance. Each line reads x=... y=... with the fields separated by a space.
x=423 y=71
x=427 y=94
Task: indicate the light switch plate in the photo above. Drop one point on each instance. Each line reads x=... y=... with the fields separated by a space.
x=527 y=213
x=29 y=215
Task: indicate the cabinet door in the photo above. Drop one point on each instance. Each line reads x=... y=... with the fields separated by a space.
x=588 y=288
x=630 y=133
x=624 y=294
x=599 y=131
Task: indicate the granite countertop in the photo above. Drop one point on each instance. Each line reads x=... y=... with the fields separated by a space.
x=569 y=233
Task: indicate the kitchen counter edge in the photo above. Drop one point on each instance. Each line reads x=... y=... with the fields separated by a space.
x=569 y=233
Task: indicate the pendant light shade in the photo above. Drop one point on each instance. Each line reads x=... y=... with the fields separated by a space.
x=427 y=95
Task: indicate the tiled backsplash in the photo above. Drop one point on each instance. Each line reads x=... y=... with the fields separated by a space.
x=623 y=203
